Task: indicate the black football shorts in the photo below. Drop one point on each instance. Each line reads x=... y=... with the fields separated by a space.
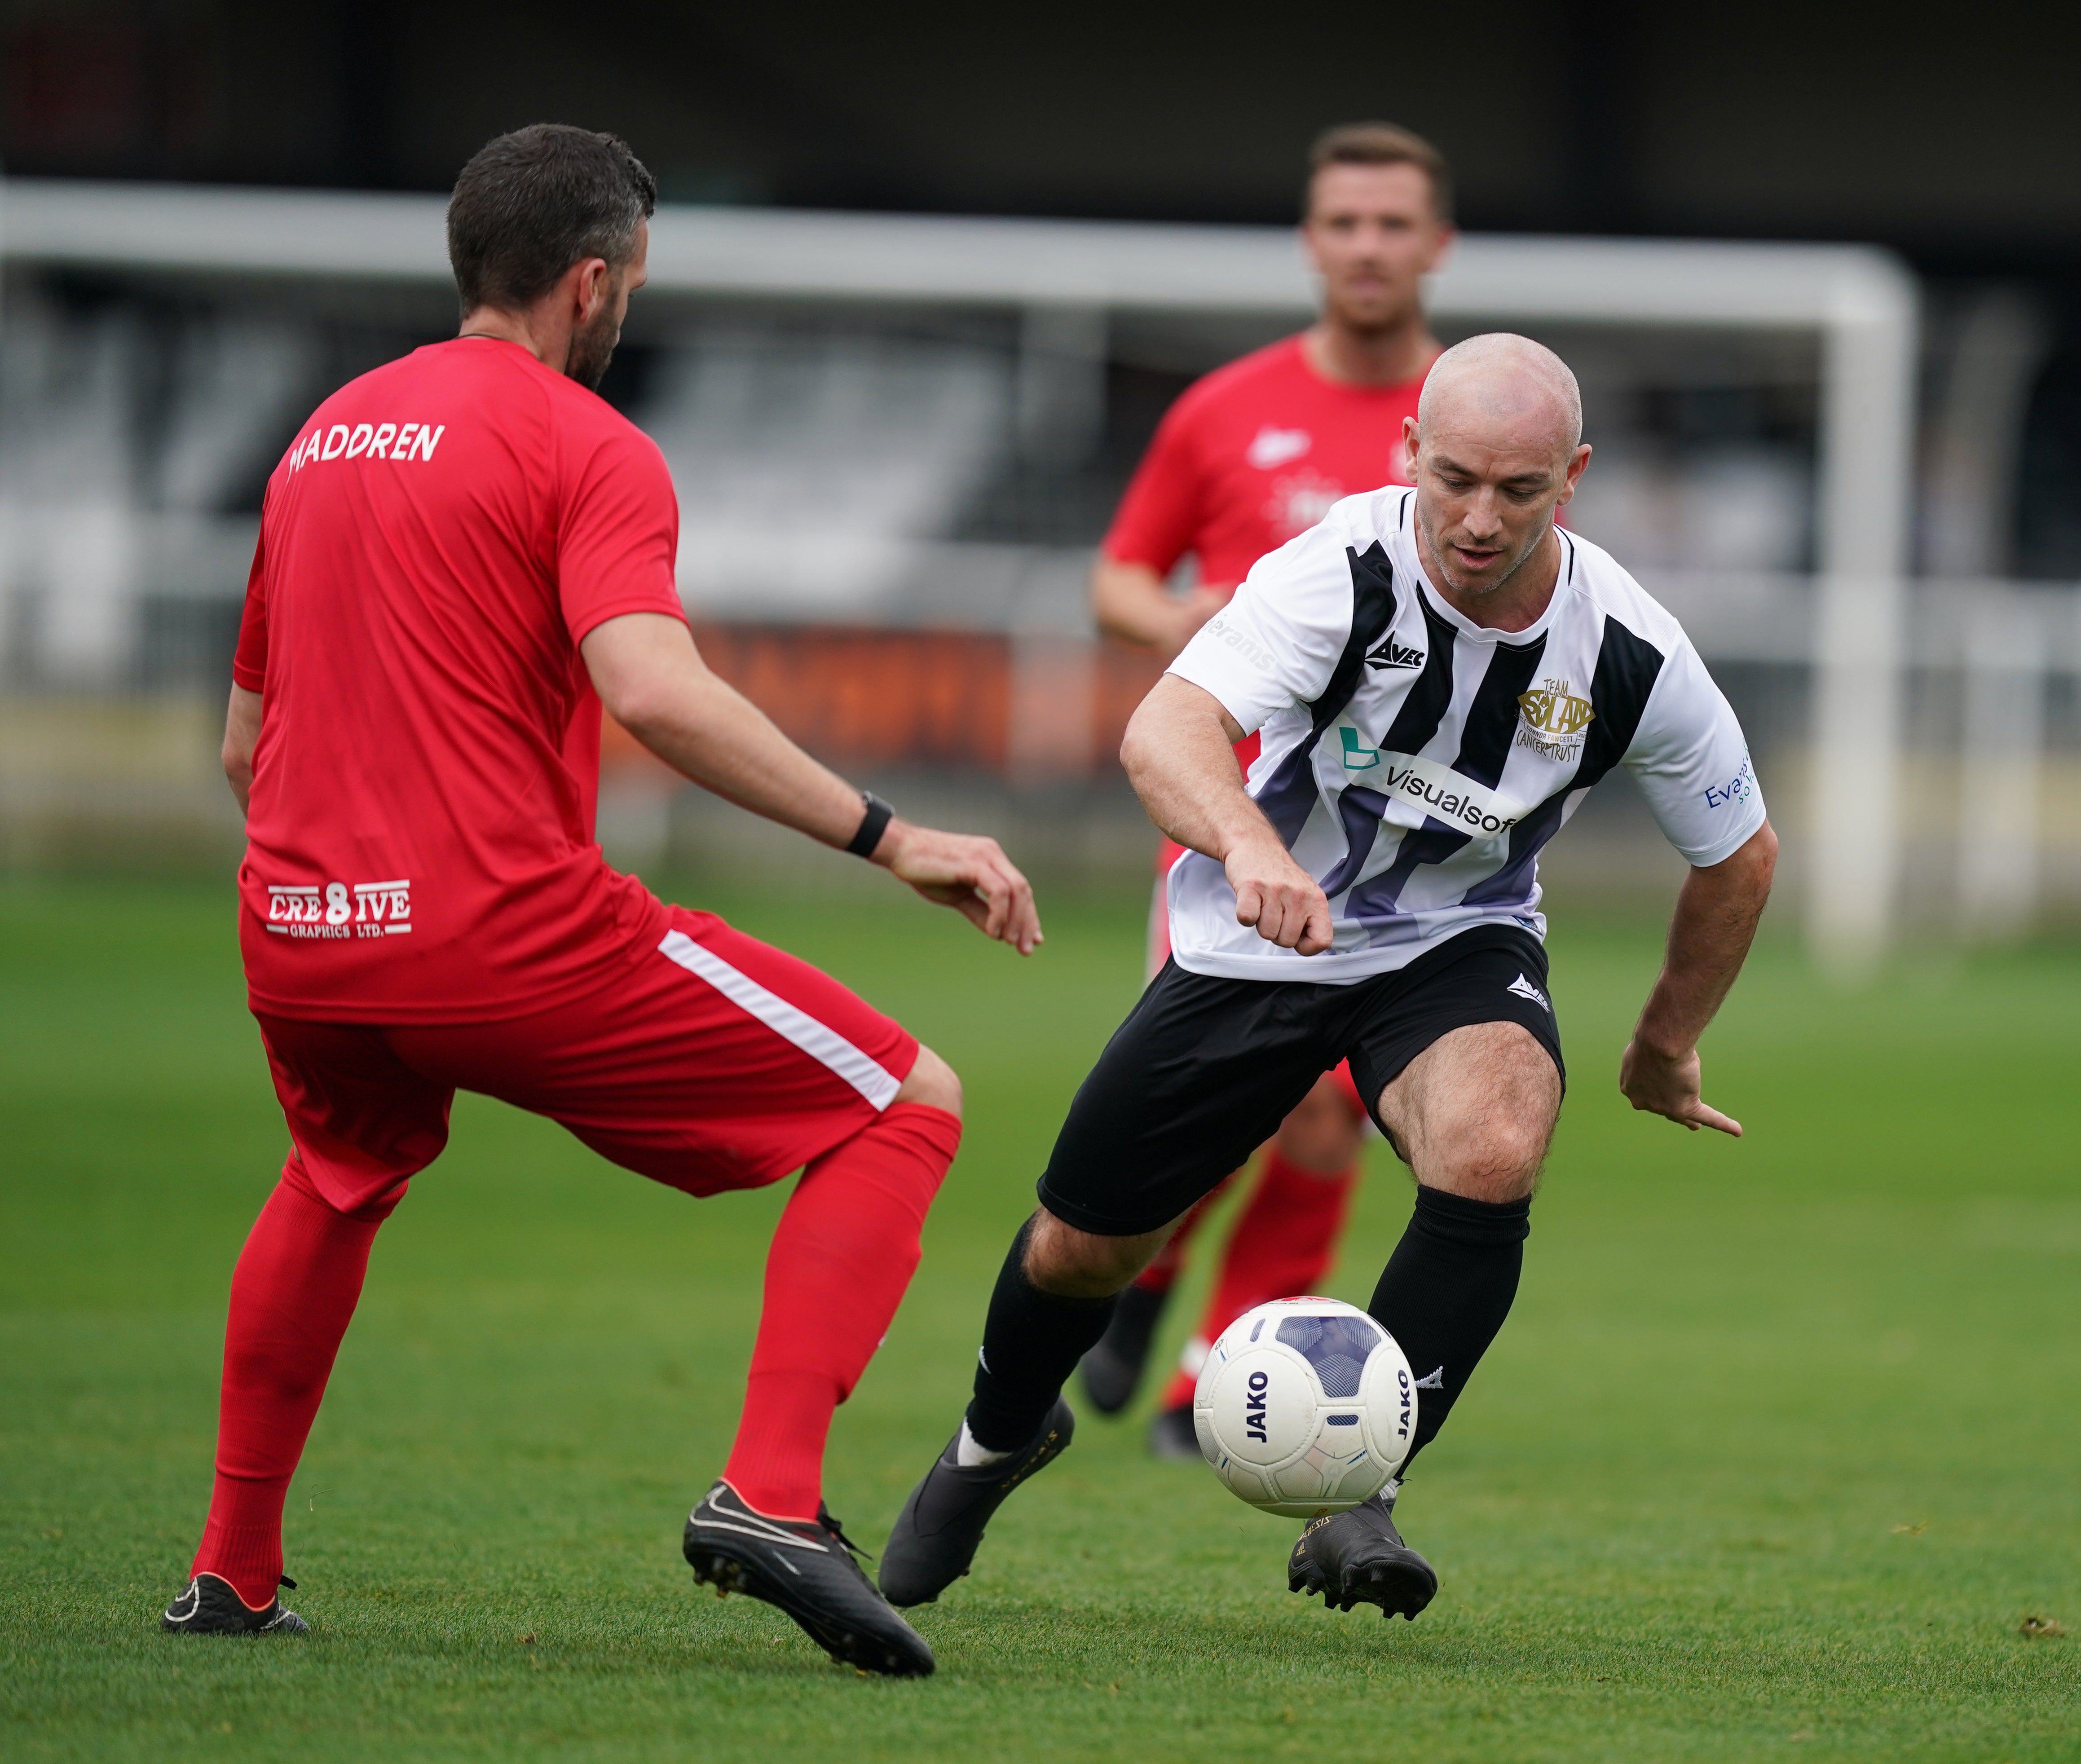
x=1205 y=1069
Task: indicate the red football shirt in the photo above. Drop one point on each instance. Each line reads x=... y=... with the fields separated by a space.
x=1248 y=458
x=1253 y=455
x=441 y=536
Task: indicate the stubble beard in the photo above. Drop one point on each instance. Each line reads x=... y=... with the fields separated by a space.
x=592 y=348
x=1440 y=555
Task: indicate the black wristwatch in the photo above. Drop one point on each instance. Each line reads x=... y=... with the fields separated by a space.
x=872 y=826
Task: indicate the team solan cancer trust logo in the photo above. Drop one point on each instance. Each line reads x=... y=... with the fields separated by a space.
x=1554 y=721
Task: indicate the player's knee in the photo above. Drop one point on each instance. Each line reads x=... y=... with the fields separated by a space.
x=932 y=1082
x=1499 y=1162
x=1076 y=1264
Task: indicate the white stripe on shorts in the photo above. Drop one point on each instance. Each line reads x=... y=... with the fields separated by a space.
x=826 y=1045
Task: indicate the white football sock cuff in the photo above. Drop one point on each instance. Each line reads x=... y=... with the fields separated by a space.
x=971 y=1457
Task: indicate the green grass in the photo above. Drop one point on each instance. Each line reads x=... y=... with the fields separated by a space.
x=1778 y=1450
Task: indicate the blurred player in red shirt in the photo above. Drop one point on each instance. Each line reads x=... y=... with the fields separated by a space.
x=1250 y=457
x=463 y=555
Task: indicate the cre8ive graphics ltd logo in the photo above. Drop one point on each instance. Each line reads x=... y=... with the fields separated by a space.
x=1553 y=720
x=366 y=909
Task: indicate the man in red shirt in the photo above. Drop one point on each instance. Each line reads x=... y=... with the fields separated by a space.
x=461 y=556
x=1250 y=457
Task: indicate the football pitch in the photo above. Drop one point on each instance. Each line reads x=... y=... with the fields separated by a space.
x=1779 y=1452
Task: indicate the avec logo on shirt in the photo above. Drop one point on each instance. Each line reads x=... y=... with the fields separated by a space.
x=375 y=440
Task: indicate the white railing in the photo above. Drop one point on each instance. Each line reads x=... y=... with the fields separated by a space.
x=1070 y=280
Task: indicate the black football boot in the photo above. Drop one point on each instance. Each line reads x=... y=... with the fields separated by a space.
x=942 y=1523
x=806 y=1568
x=210 y=1605
x=1357 y=1557
x=1112 y=1369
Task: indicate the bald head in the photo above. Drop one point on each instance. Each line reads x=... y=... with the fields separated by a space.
x=1496 y=446
x=1506 y=389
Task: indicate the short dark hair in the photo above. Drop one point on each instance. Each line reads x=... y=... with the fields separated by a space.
x=1380 y=144
x=533 y=202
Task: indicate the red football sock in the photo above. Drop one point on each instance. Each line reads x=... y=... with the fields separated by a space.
x=1162 y=1274
x=292 y=1294
x=844 y=1252
x=1281 y=1247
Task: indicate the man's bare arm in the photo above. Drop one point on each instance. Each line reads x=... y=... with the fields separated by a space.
x=1180 y=756
x=1130 y=602
x=1709 y=936
x=241 y=735
x=652 y=678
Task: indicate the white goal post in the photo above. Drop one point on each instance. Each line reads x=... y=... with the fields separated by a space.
x=1860 y=303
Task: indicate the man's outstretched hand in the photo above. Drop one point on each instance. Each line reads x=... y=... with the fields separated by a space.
x=1274 y=894
x=1664 y=1084
x=971 y=875
x=1717 y=910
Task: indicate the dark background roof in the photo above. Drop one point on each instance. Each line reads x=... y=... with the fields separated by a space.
x=1955 y=138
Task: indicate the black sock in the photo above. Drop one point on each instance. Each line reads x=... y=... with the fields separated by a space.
x=1031 y=1342
x=1445 y=1291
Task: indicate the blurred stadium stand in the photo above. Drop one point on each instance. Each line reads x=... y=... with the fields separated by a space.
x=897 y=439
x=942 y=465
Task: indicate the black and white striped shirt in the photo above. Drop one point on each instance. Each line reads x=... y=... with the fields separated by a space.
x=1415 y=763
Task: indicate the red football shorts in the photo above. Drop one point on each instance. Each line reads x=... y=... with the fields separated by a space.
x=1159 y=952
x=714 y=1061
